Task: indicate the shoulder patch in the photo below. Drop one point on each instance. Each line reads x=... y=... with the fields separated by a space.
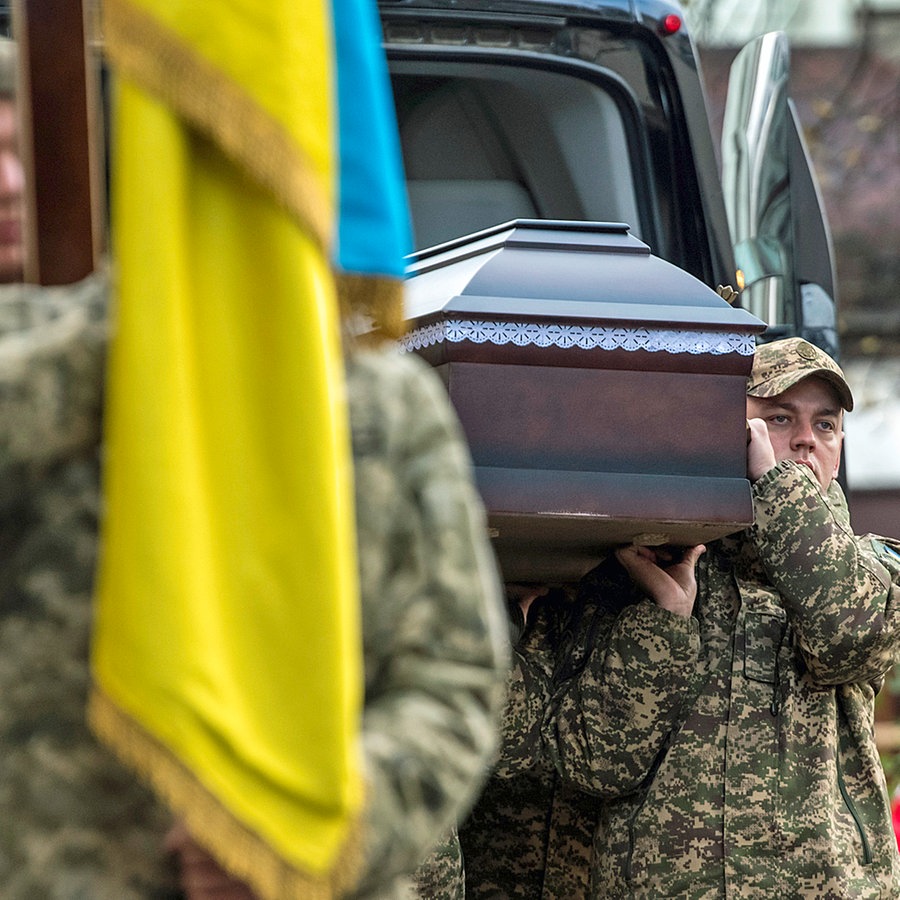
x=892 y=551
x=887 y=553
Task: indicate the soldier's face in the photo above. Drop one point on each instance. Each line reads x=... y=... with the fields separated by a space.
x=12 y=183
x=805 y=425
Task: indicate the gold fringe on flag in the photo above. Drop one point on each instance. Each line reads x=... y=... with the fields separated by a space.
x=243 y=853
x=379 y=300
x=147 y=54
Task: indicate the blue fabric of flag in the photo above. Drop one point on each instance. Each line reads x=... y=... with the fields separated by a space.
x=373 y=228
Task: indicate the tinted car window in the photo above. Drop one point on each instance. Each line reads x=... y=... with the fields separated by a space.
x=484 y=144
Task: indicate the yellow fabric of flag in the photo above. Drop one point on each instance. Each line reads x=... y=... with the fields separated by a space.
x=227 y=653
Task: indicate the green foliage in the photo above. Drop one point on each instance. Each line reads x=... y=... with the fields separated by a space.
x=890 y=760
x=889 y=700
x=892 y=683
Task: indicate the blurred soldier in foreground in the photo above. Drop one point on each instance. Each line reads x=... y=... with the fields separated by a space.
x=230 y=333
x=433 y=631
x=75 y=823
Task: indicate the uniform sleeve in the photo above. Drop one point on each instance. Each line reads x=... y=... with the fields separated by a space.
x=606 y=725
x=52 y=351
x=443 y=875
x=528 y=692
x=435 y=630
x=841 y=592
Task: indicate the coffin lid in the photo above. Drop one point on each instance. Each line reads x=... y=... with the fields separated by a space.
x=538 y=270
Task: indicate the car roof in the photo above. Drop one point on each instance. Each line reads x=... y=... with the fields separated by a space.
x=628 y=11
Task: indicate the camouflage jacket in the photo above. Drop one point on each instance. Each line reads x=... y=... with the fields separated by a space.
x=757 y=774
x=530 y=833
x=73 y=822
x=434 y=628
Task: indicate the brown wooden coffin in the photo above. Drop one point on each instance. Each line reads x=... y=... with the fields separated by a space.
x=602 y=390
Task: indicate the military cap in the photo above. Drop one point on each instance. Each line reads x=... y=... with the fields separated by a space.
x=779 y=365
x=7 y=67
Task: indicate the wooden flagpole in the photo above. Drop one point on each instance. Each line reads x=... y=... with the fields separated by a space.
x=59 y=116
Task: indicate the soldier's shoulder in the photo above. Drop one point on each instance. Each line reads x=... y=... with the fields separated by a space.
x=397 y=394
x=26 y=306
x=887 y=550
x=387 y=370
x=52 y=350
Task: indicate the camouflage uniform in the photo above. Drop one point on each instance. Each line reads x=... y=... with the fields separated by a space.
x=529 y=835
x=750 y=769
x=433 y=624
x=73 y=823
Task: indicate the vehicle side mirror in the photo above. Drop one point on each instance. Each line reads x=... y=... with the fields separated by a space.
x=782 y=241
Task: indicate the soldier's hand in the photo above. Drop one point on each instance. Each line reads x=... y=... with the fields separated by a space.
x=202 y=876
x=760 y=454
x=670 y=583
x=524 y=595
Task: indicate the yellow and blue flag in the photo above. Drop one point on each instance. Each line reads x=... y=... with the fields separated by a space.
x=254 y=152
x=373 y=212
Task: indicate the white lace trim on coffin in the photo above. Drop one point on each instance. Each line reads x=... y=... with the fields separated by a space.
x=584 y=337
